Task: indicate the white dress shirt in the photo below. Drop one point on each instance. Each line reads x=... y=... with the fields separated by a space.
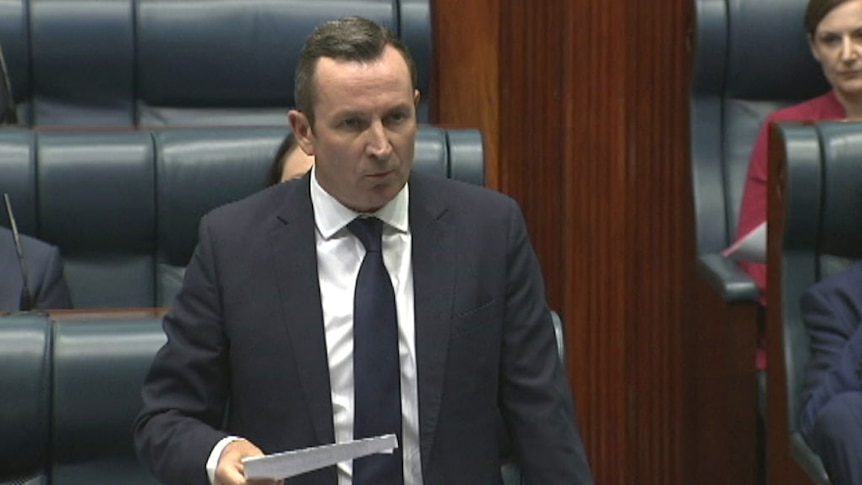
x=339 y=255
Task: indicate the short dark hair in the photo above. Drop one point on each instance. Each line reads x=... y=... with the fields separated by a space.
x=273 y=177
x=349 y=39
x=816 y=10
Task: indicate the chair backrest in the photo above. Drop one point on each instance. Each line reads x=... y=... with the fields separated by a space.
x=99 y=366
x=8 y=114
x=161 y=62
x=822 y=234
x=746 y=51
x=25 y=378
x=71 y=390
x=124 y=206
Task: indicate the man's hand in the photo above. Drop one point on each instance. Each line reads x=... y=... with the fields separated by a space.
x=230 y=470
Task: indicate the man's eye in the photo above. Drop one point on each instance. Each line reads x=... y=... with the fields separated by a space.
x=350 y=123
x=397 y=117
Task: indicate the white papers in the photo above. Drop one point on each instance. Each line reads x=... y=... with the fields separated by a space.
x=750 y=247
x=285 y=465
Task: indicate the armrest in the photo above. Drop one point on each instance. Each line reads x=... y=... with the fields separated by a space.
x=721 y=349
x=560 y=335
x=733 y=284
x=807 y=459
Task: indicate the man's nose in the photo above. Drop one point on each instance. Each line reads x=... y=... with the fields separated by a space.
x=378 y=143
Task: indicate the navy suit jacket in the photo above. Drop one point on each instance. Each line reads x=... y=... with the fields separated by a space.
x=246 y=351
x=832 y=310
x=48 y=288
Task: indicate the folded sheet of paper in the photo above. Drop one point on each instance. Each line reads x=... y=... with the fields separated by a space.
x=751 y=247
x=285 y=465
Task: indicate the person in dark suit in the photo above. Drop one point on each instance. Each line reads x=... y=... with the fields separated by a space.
x=263 y=349
x=48 y=289
x=831 y=417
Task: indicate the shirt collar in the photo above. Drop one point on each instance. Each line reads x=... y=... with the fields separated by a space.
x=330 y=215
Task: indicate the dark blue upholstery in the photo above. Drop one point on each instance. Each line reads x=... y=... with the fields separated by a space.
x=177 y=62
x=123 y=206
x=70 y=392
x=18 y=166
x=15 y=41
x=96 y=201
x=8 y=113
x=99 y=367
x=82 y=60
x=25 y=377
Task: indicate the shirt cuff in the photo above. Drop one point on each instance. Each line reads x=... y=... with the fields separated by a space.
x=215 y=454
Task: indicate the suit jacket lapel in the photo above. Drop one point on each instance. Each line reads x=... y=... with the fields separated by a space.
x=434 y=252
x=294 y=256
x=434 y=261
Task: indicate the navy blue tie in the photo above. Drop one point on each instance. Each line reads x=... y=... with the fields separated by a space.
x=376 y=369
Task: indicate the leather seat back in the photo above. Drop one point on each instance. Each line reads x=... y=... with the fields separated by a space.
x=99 y=367
x=166 y=63
x=124 y=206
x=25 y=379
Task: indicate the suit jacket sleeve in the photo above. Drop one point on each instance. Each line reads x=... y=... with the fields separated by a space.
x=51 y=290
x=832 y=312
x=537 y=404
x=185 y=392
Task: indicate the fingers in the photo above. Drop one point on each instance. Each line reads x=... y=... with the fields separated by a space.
x=230 y=470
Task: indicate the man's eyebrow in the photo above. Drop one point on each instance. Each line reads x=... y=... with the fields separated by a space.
x=398 y=108
x=349 y=113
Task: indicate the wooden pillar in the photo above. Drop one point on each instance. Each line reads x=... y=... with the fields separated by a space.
x=589 y=132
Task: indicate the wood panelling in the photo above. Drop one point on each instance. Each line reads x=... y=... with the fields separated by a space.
x=466 y=82
x=597 y=236
x=660 y=218
x=532 y=126
x=721 y=424
x=591 y=138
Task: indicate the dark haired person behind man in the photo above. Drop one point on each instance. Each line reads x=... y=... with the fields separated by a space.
x=48 y=288
x=831 y=417
x=288 y=333
x=289 y=162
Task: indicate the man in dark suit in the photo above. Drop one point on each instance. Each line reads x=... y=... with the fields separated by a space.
x=263 y=352
x=831 y=418
x=48 y=288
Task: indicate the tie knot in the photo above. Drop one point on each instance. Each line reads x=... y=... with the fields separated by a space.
x=369 y=230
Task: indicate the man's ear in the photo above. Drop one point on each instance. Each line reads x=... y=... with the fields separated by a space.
x=416 y=98
x=301 y=130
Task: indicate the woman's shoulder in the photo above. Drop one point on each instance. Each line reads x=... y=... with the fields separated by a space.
x=823 y=107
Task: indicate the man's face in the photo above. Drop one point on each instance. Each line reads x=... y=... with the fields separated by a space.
x=364 y=129
x=837 y=45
